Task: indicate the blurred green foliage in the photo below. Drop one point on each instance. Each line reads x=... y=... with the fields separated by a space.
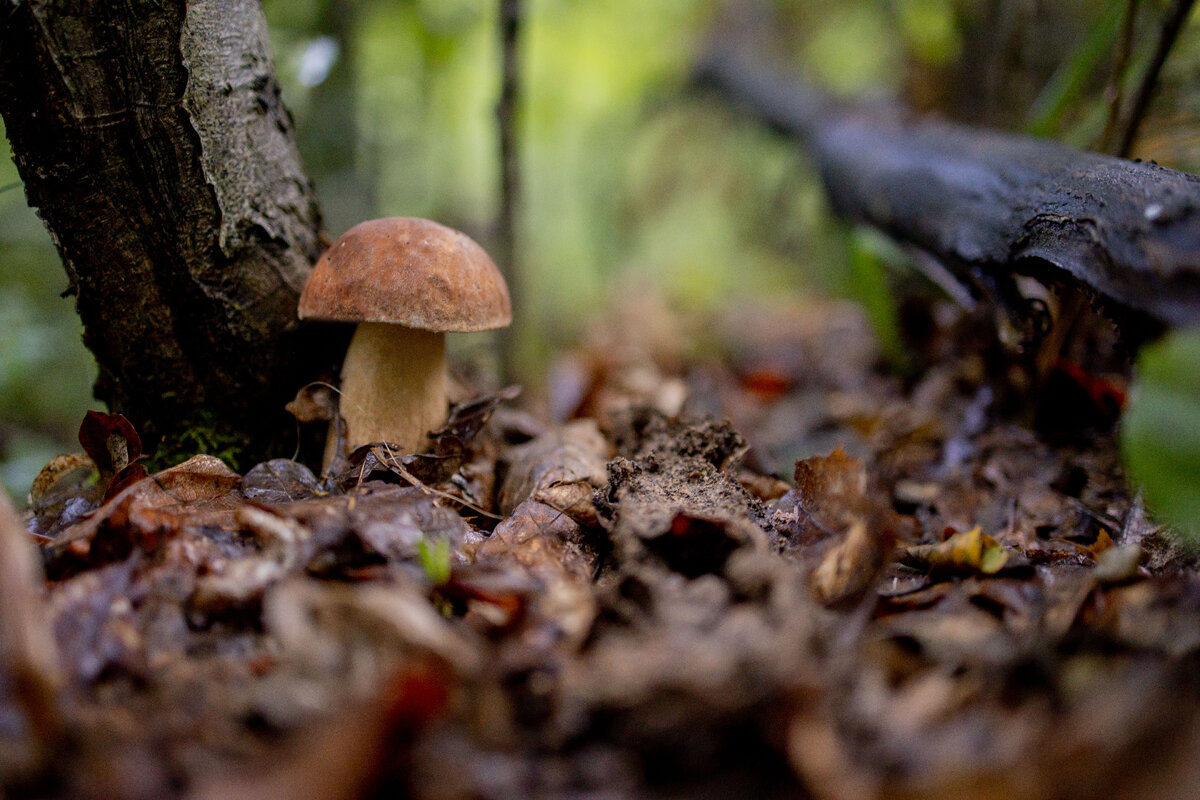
x=625 y=172
x=45 y=372
x=1161 y=430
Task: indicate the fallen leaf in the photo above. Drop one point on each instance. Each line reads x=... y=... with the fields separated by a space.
x=545 y=544
x=852 y=566
x=110 y=440
x=279 y=480
x=63 y=475
x=562 y=468
x=964 y=552
x=316 y=402
x=830 y=495
x=200 y=491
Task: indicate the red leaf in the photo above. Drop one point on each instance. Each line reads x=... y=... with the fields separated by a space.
x=110 y=441
x=124 y=479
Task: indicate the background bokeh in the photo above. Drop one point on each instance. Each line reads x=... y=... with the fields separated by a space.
x=631 y=179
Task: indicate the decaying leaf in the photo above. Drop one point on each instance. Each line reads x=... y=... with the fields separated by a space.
x=65 y=490
x=852 y=566
x=561 y=468
x=970 y=551
x=279 y=480
x=831 y=490
x=546 y=544
x=63 y=476
x=378 y=523
x=838 y=522
x=198 y=492
x=285 y=547
x=467 y=419
x=110 y=441
x=372 y=626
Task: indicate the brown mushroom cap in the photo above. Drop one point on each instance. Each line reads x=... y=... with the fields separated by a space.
x=410 y=272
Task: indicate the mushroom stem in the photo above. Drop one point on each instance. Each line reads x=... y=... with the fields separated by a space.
x=393 y=387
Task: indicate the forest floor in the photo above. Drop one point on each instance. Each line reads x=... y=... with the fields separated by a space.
x=627 y=601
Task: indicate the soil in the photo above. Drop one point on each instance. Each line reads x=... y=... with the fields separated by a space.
x=731 y=557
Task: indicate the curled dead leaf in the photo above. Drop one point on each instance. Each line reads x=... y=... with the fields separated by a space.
x=63 y=475
x=315 y=402
x=852 y=566
x=110 y=440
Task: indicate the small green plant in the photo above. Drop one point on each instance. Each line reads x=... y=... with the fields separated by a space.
x=435 y=559
x=1160 y=433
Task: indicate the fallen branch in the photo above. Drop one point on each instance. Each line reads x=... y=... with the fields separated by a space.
x=988 y=205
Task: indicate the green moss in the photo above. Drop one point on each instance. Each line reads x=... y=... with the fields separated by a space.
x=205 y=435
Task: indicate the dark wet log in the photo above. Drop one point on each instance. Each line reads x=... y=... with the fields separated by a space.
x=988 y=205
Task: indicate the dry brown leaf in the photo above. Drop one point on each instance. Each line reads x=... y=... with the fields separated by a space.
x=562 y=468
x=47 y=487
x=852 y=566
x=544 y=542
x=198 y=492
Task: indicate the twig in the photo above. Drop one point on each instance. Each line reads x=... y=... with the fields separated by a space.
x=511 y=13
x=1172 y=23
x=1115 y=91
x=394 y=463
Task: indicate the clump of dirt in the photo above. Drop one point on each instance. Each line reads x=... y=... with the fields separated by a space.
x=674 y=497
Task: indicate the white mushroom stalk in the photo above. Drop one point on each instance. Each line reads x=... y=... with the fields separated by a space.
x=394 y=385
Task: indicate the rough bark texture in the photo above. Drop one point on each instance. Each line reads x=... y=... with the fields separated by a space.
x=152 y=140
x=989 y=204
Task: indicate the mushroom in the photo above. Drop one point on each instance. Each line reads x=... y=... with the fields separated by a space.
x=406 y=282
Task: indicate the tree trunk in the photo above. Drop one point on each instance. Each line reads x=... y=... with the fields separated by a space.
x=151 y=138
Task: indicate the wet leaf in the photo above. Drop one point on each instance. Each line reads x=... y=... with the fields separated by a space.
x=278 y=481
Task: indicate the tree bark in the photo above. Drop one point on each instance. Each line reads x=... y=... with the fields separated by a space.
x=987 y=204
x=151 y=138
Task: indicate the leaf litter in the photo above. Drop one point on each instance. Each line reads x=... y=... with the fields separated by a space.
x=762 y=567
